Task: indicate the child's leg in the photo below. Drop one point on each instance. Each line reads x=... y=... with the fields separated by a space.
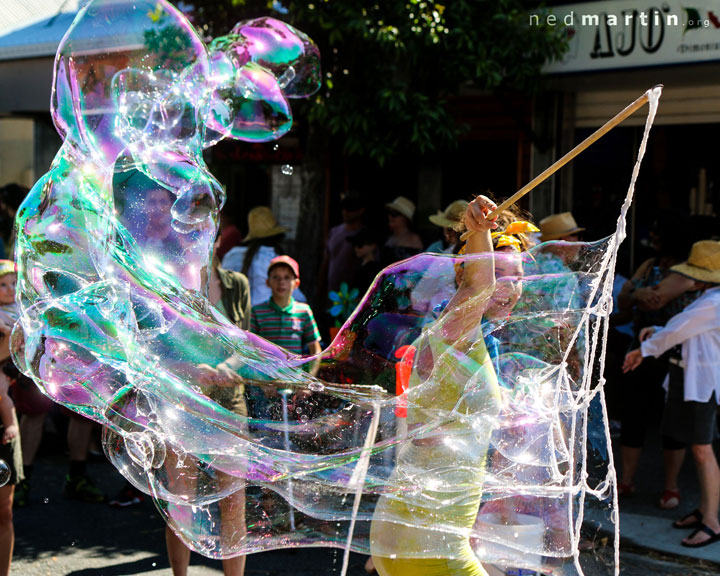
x=673 y=456
x=233 y=531
x=78 y=438
x=178 y=553
x=178 y=483
x=77 y=484
x=31 y=429
x=709 y=476
x=234 y=566
x=7 y=531
x=630 y=457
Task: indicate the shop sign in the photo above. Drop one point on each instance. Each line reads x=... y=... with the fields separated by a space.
x=632 y=33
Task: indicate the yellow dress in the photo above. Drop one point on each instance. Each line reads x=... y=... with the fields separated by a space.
x=423 y=528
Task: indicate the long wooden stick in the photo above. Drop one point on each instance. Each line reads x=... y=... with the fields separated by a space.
x=594 y=137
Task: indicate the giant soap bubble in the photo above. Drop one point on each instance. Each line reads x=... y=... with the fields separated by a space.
x=243 y=446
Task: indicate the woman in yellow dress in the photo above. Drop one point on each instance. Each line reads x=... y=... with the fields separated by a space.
x=423 y=527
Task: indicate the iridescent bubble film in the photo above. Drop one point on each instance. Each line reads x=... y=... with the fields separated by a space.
x=458 y=414
x=4 y=473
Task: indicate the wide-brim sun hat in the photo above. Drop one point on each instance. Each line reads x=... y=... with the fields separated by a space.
x=262 y=224
x=558 y=226
x=703 y=264
x=7 y=267
x=451 y=216
x=403 y=206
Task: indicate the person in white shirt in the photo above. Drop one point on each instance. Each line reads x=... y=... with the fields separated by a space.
x=693 y=383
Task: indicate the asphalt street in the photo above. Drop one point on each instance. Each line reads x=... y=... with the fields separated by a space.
x=55 y=536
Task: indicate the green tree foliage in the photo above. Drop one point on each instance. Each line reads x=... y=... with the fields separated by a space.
x=391 y=65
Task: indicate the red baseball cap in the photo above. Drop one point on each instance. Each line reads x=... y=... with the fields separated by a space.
x=287 y=261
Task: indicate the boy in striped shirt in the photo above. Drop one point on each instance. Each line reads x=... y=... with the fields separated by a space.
x=281 y=319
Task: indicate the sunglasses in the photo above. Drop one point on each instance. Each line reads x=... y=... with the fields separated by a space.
x=393 y=213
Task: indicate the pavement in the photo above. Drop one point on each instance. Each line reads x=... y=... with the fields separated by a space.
x=55 y=536
x=644 y=525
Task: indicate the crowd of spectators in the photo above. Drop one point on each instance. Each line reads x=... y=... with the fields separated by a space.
x=256 y=284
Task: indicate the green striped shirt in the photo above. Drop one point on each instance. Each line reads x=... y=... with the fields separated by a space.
x=292 y=327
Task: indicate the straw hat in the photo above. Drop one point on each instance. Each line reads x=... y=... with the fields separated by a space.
x=7 y=267
x=703 y=263
x=403 y=206
x=558 y=226
x=262 y=224
x=451 y=216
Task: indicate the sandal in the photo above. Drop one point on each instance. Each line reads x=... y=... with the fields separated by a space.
x=714 y=537
x=625 y=490
x=670 y=499
x=585 y=545
x=697 y=524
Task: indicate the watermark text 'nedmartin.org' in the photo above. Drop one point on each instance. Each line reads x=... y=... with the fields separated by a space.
x=650 y=18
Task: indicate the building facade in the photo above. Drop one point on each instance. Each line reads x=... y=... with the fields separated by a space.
x=618 y=50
